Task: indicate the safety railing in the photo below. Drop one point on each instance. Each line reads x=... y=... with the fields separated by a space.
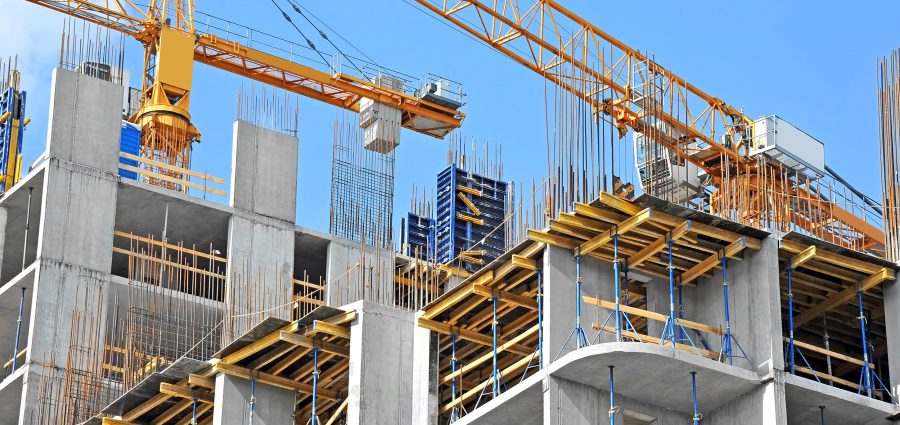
x=170 y=176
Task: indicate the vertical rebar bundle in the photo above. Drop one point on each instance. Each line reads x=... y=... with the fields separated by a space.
x=93 y=50
x=889 y=136
x=269 y=108
x=362 y=187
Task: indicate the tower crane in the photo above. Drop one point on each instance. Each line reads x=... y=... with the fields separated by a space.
x=685 y=125
x=172 y=44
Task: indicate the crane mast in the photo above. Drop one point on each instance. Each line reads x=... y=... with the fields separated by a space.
x=627 y=88
x=173 y=43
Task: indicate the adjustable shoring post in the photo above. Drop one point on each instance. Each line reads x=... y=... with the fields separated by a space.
x=194 y=411
x=670 y=326
x=616 y=260
x=792 y=348
x=15 y=354
x=613 y=409
x=454 y=413
x=496 y=376
x=790 y=297
x=578 y=332
x=539 y=350
x=252 y=400
x=313 y=417
x=697 y=414
x=866 y=372
x=726 y=346
x=822 y=414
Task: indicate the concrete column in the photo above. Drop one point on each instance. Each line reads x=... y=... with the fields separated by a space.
x=425 y=377
x=766 y=404
x=354 y=275
x=264 y=172
x=560 y=299
x=271 y=406
x=261 y=256
x=261 y=231
x=756 y=306
x=572 y=403
x=74 y=250
x=381 y=357
x=892 y=327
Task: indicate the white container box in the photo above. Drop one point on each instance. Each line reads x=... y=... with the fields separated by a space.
x=780 y=141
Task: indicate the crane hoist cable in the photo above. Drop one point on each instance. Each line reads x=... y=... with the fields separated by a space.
x=325 y=24
x=308 y=41
x=325 y=36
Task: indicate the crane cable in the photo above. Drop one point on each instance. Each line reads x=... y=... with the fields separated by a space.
x=325 y=36
x=308 y=41
x=365 y=56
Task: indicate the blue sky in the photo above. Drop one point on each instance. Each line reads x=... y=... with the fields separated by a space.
x=812 y=63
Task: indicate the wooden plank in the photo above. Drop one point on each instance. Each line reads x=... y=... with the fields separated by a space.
x=446 y=301
x=257 y=345
x=509 y=371
x=475 y=363
x=620 y=229
x=201 y=409
x=658 y=245
x=712 y=261
x=470 y=219
x=829 y=353
x=172 y=167
x=171 y=412
x=827 y=377
x=274 y=380
x=188 y=183
x=471 y=336
x=147 y=406
x=337 y=412
x=617 y=203
x=305 y=341
x=647 y=339
x=524 y=262
x=180 y=391
x=167 y=263
x=325 y=327
x=652 y=315
x=844 y=296
x=201 y=381
x=509 y=297
x=804 y=256
x=551 y=239
x=169 y=246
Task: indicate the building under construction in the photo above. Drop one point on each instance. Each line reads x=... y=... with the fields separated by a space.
x=726 y=275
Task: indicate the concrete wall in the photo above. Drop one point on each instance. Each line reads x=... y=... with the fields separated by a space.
x=763 y=405
x=892 y=328
x=381 y=358
x=425 y=377
x=272 y=405
x=264 y=172
x=352 y=276
x=571 y=403
x=261 y=231
x=560 y=300
x=74 y=250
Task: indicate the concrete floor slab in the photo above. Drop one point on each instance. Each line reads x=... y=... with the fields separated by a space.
x=658 y=375
x=804 y=396
x=11 y=394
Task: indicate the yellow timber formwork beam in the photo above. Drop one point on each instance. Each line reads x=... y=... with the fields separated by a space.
x=617 y=230
x=844 y=296
x=712 y=261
